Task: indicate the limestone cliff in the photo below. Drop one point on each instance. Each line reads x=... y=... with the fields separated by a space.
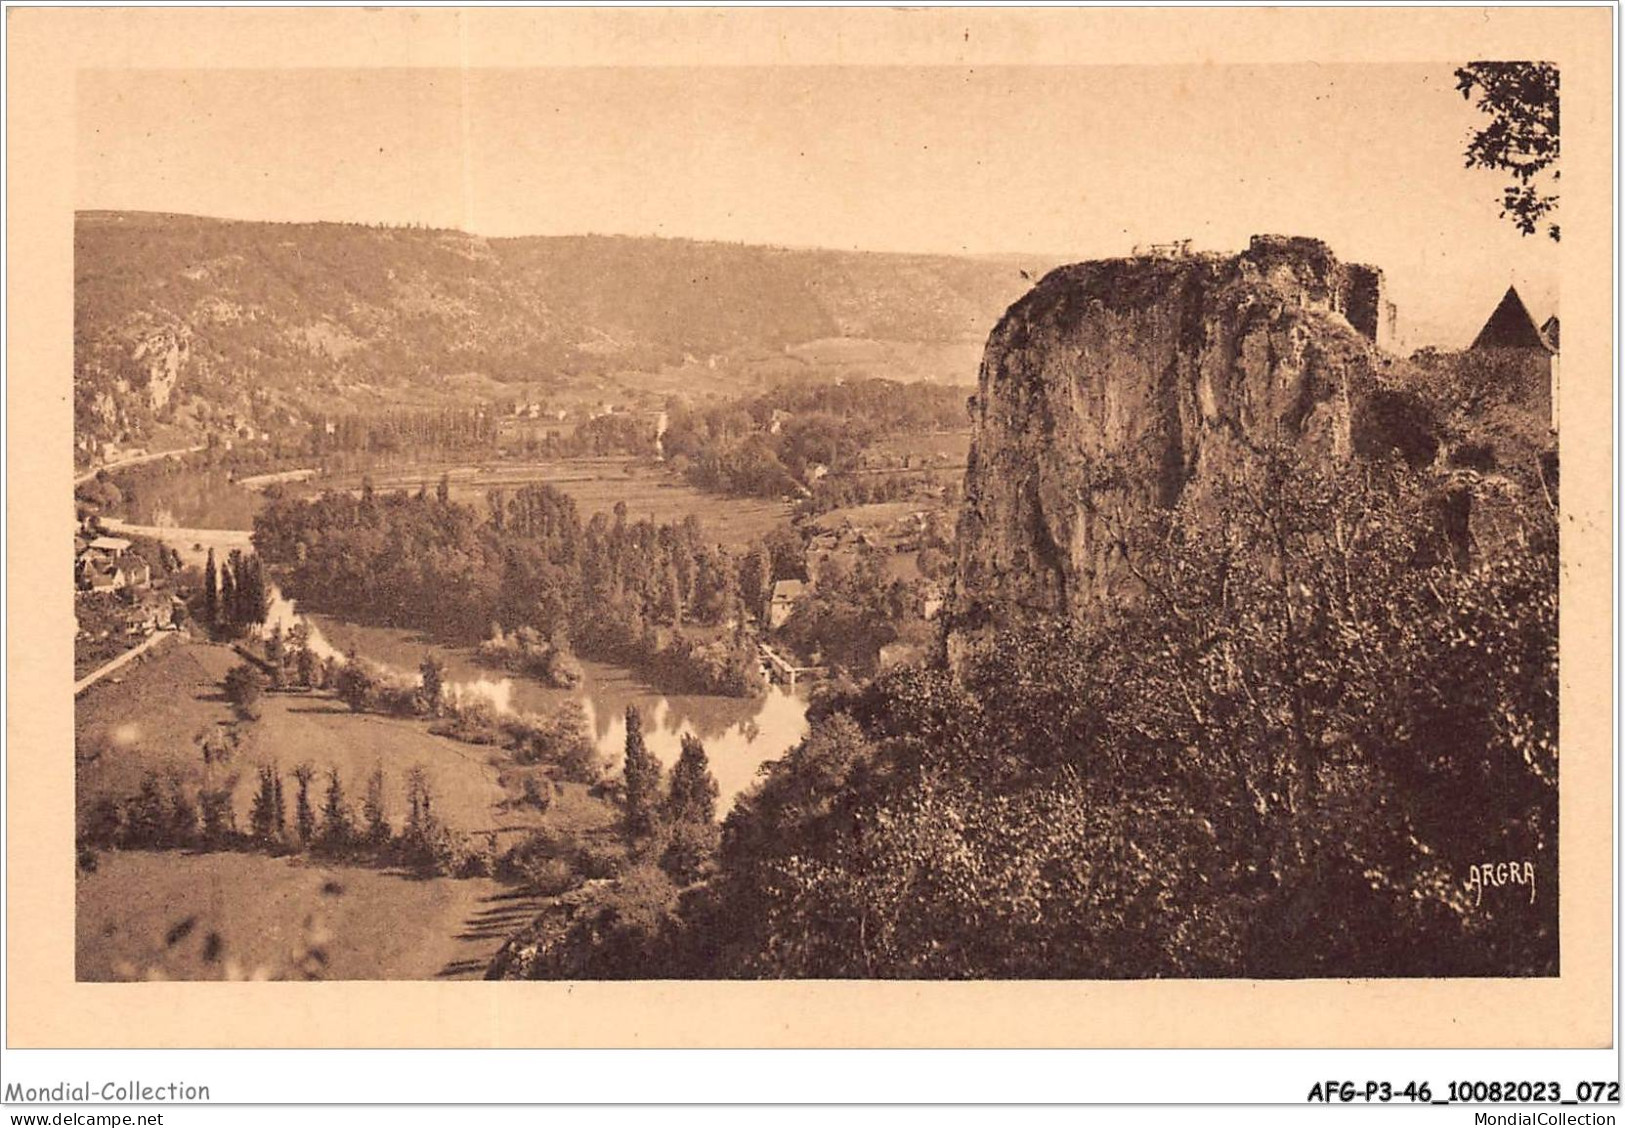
x=1127 y=383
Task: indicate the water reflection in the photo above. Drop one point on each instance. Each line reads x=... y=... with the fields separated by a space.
x=739 y=734
x=736 y=752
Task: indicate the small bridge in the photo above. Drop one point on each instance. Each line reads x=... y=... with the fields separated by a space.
x=785 y=671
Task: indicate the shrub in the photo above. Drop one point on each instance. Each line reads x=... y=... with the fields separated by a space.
x=183 y=817
x=690 y=851
x=474 y=723
x=473 y=856
x=218 y=813
x=244 y=686
x=356 y=687
x=596 y=861
x=535 y=792
x=551 y=877
x=103 y=823
x=146 y=816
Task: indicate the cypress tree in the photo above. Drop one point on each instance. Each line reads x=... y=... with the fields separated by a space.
x=336 y=830
x=262 y=819
x=211 y=592
x=256 y=600
x=642 y=779
x=304 y=817
x=372 y=808
x=226 y=615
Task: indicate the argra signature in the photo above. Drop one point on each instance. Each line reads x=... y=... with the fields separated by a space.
x=1498 y=874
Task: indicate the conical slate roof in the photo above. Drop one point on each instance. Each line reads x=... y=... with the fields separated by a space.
x=1510 y=327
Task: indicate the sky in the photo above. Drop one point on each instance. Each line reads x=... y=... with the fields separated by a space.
x=1068 y=163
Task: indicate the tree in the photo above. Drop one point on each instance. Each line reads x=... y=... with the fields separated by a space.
x=756 y=579
x=256 y=599
x=146 y=818
x=304 y=815
x=336 y=828
x=642 y=774
x=228 y=601
x=442 y=491
x=233 y=594
x=276 y=655
x=356 y=686
x=693 y=793
x=419 y=803
x=372 y=808
x=309 y=667
x=265 y=817
x=211 y=593
x=433 y=674
x=244 y=686
x=691 y=811
x=671 y=604
x=1522 y=137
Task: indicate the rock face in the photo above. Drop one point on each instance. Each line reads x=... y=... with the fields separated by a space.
x=160 y=356
x=1123 y=384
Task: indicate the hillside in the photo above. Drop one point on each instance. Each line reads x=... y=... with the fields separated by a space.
x=181 y=321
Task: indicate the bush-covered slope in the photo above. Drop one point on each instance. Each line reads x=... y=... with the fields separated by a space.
x=179 y=318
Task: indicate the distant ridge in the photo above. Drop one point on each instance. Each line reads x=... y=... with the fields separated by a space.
x=269 y=319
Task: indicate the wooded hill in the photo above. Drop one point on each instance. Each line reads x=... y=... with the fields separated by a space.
x=185 y=320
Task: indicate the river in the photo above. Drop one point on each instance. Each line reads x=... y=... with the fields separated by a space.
x=739 y=734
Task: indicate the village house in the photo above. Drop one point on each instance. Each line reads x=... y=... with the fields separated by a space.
x=106 y=564
x=108 y=548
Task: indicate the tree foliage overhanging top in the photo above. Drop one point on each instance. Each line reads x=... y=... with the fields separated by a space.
x=1522 y=137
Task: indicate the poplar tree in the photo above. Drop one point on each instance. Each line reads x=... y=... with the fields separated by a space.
x=304 y=816
x=336 y=829
x=211 y=592
x=642 y=772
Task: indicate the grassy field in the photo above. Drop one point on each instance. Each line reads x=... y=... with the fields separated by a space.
x=375 y=923
x=598 y=485
x=153 y=721
x=881 y=517
x=266 y=914
x=205 y=499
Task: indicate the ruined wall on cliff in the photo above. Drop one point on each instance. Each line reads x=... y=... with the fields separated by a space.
x=1118 y=386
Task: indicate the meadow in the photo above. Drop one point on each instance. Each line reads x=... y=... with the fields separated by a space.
x=201 y=498
x=149 y=912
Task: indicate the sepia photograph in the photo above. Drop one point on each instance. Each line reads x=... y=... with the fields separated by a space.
x=739 y=529
x=648 y=524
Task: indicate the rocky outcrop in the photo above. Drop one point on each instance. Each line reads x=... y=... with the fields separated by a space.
x=1121 y=385
x=160 y=356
